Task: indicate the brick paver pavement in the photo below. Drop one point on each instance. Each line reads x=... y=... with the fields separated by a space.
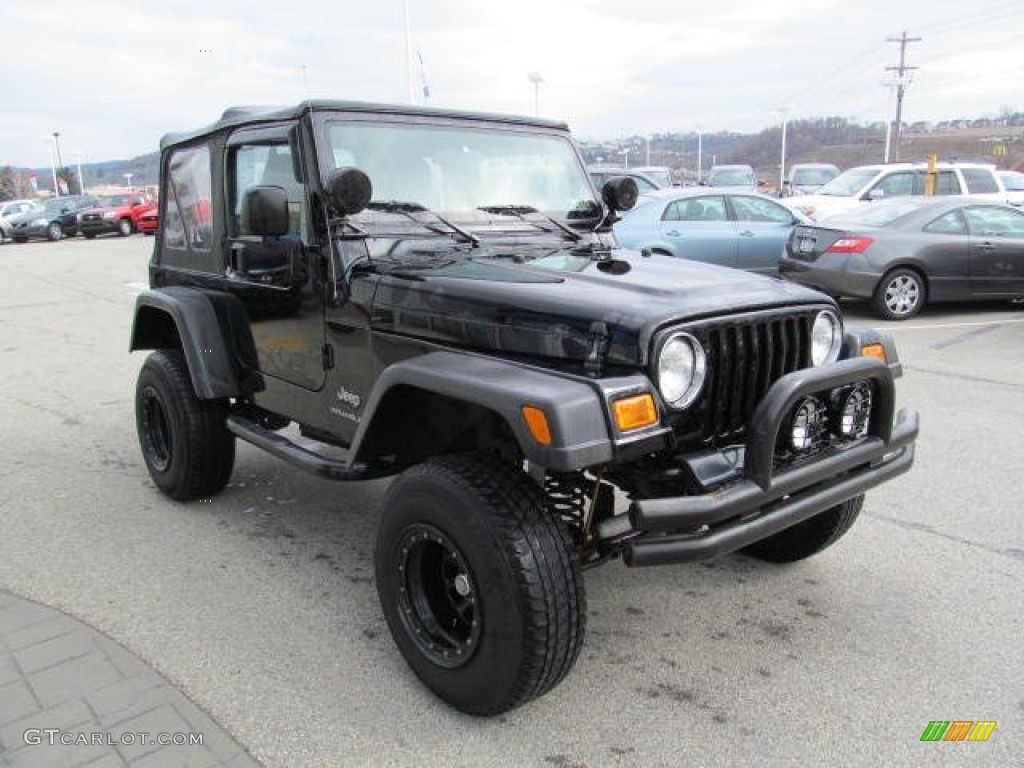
x=61 y=681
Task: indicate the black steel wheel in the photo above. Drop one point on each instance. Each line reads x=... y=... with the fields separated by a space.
x=809 y=537
x=54 y=231
x=479 y=583
x=185 y=443
x=900 y=294
x=124 y=227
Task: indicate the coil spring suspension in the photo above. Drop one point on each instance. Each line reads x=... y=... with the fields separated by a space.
x=567 y=496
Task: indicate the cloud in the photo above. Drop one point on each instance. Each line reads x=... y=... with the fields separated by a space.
x=114 y=78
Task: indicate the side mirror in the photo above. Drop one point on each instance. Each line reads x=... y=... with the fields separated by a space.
x=876 y=194
x=620 y=193
x=264 y=211
x=349 y=190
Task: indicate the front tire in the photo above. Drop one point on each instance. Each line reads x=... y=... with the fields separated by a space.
x=124 y=227
x=809 y=537
x=899 y=295
x=54 y=231
x=186 y=445
x=479 y=584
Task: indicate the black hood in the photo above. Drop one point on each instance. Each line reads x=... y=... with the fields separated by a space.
x=549 y=305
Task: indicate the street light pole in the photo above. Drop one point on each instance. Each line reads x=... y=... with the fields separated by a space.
x=56 y=143
x=81 y=178
x=536 y=78
x=648 y=141
x=53 y=169
x=782 y=161
x=700 y=159
x=625 y=155
x=129 y=177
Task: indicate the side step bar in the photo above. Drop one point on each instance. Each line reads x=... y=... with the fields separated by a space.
x=297 y=456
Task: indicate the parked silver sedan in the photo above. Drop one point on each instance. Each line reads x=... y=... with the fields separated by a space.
x=906 y=252
x=745 y=230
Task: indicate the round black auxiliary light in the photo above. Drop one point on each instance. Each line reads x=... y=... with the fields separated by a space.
x=808 y=425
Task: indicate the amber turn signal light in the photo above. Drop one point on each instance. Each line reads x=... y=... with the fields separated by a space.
x=876 y=351
x=635 y=412
x=538 y=424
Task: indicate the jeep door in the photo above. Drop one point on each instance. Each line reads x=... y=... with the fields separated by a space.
x=277 y=277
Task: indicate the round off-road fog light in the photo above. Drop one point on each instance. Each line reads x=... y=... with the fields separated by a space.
x=808 y=425
x=853 y=411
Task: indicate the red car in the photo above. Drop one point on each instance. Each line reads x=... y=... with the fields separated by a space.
x=116 y=213
x=147 y=222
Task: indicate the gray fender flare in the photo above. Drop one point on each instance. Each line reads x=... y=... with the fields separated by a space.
x=213 y=333
x=574 y=409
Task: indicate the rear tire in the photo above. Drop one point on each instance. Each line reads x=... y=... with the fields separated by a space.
x=479 y=583
x=186 y=445
x=899 y=295
x=809 y=537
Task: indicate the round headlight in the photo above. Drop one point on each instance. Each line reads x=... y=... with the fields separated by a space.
x=826 y=338
x=681 y=370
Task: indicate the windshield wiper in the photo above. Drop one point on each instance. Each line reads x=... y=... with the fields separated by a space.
x=409 y=209
x=520 y=211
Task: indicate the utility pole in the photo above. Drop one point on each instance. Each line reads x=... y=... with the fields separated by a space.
x=902 y=79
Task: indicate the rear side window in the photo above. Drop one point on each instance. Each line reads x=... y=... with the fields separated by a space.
x=189 y=216
x=756 y=209
x=980 y=181
x=951 y=223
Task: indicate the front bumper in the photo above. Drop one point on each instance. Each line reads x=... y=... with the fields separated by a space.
x=98 y=227
x=765 y=501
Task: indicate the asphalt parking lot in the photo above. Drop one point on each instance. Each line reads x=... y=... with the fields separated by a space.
x=260 y=605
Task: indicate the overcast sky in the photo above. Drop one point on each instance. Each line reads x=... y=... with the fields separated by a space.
x=112 y=77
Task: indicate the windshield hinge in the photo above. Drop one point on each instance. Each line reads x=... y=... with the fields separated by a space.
x=598 y=338
x=328 y=356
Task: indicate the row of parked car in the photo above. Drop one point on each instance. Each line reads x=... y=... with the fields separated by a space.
x=71 y=215
x=872 y=232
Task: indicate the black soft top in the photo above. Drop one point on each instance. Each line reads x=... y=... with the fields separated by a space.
x=248 y=115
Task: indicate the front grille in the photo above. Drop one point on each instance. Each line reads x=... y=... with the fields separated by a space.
x=744 y=358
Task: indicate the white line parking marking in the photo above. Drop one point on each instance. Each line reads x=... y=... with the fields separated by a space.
x=993 y=323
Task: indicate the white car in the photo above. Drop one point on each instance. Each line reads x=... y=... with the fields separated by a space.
x=865 y=183
x=10 y=208
x=1014 y=183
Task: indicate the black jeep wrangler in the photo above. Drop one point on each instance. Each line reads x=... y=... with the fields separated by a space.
x=439 y=293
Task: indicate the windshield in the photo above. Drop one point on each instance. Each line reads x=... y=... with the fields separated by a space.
x=661 y=175
x=456 y=171
x=1014 y=182
x=810 y=177
x=114 y=201
x=728 y=177
x=849 y=183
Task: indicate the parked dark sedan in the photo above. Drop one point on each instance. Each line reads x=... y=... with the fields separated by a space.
x=57 y=218
x=745 y=230
x=903 y=253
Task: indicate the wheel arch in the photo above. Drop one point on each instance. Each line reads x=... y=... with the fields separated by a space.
x=211 y=330
x=909 y=264
x=469 y=399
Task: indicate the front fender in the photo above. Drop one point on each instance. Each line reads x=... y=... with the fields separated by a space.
x=575 y=409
